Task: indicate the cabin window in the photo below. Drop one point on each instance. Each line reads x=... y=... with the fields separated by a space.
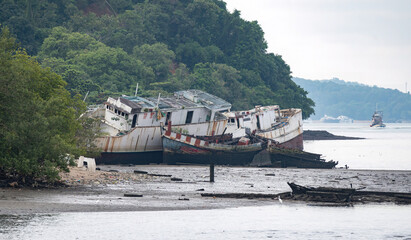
x=126 y=116
x=107 y=107
x=189 y=116
x=232 y=120
x=258 y=122
x=238 y=123
x=133 y=124
x=122 y=114
x=115 y=110
x=168 y=117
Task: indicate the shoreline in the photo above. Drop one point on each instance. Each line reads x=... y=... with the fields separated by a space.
x=161 y=193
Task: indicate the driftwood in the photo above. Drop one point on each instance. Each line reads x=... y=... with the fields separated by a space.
x=159 y=175
x=132 y=195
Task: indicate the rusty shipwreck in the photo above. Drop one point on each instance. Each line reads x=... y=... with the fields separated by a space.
x=132 y=124
x=221 y=150
x=282 y=126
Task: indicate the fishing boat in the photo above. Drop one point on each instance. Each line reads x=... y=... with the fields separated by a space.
x=282 y=126
x=220 y=150
x=284 y=158
x=377 y=120
x=132 y=124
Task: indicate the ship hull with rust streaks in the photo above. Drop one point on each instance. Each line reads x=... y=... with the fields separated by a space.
x=290 y=133
x=181 y=149
x=143 y=145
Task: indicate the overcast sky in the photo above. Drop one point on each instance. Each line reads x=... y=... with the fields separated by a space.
x=365 y=41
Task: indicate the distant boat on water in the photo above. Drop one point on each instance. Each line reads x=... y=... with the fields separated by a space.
x=377 y=120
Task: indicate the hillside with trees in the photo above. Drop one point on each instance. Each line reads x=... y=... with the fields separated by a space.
x=106 y=47
x=336 y=97
x=40 y=130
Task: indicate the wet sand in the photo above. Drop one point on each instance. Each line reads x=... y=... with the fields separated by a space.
x=104 y=191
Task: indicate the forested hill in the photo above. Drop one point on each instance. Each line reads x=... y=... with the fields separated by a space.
x=107 y=46
x=336 y=97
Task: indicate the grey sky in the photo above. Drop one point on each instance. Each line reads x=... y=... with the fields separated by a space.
x=365 y=41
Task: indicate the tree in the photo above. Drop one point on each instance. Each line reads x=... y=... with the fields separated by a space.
x=38 y=117
x=158 y=57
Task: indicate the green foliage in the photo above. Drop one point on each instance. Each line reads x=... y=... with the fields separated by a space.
x=38 y=117
x=106 y=47
x=335 y=97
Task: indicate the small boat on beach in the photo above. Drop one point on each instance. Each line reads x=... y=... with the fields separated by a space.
x=284 y=158
x=179 y=148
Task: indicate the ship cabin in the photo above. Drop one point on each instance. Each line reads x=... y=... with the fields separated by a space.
x=184 y=107
x=260 y=119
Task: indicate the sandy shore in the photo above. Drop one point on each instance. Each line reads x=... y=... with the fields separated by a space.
x=105 y=190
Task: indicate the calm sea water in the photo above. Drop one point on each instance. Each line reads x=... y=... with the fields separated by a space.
x=383 y=148
x=268 y=222
x=388 y=148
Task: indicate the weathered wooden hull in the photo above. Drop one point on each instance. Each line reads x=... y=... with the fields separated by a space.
x=299 y=159
x=180 y=149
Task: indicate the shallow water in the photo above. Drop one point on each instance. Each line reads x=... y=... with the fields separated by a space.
x=383 y=149
x=280 y=221
x=386 y=148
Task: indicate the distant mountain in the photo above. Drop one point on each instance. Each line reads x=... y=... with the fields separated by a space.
x=336 y=97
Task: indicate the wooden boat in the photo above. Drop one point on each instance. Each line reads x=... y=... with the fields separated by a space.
x=179 y=148
x=345 y=195
x=298 y=189
x=284 y=157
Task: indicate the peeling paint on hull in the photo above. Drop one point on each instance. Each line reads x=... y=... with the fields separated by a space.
x=148 y=139
x=176 y=151
x=289 y=135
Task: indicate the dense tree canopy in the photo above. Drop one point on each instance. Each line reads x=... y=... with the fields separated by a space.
x=38 y=116
x=107 y=47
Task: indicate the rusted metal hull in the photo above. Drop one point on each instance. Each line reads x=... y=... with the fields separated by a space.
x=299 y=159
x=180 y=149
x=148 y=139
x=289 y=134
x=294 y=143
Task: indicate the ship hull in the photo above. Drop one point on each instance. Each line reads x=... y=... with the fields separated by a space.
x=285 y=158
x=180 y=149
x=142 y=145
x=290 y=135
